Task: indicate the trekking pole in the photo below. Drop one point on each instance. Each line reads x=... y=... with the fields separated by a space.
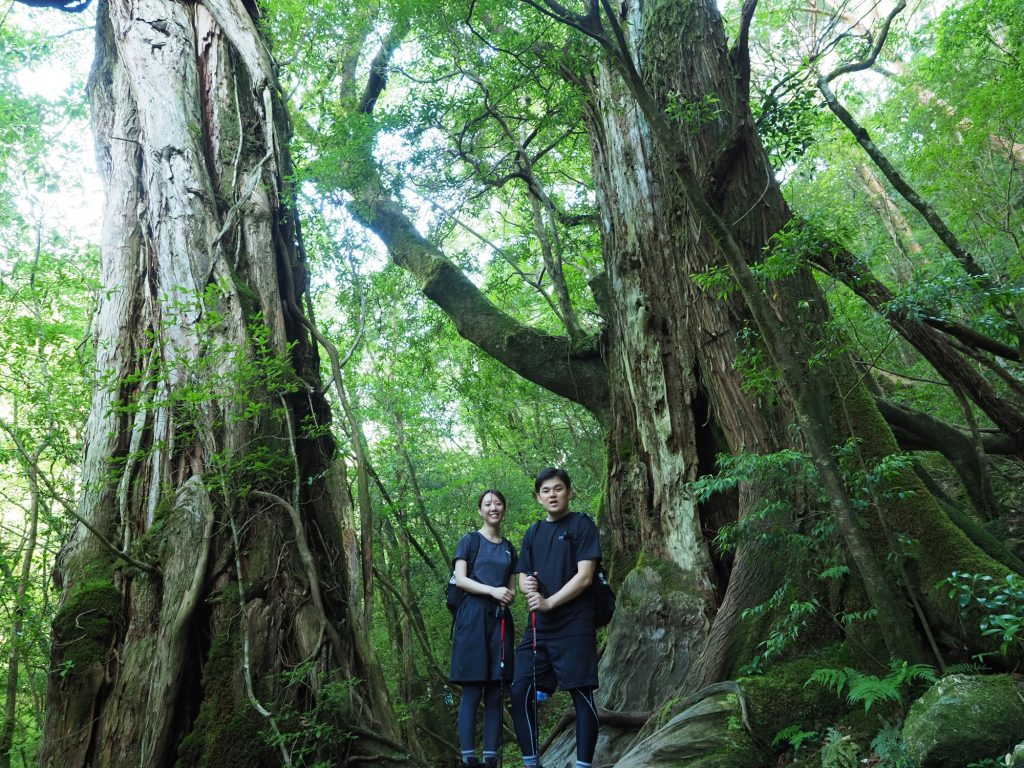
x=501 y=711
x=536 y=722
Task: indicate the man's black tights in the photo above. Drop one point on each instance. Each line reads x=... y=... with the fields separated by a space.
x=523 y=695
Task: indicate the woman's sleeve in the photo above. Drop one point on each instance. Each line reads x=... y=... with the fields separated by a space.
x=462 y=550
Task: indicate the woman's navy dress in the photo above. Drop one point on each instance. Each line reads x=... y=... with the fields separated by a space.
x=476 y=640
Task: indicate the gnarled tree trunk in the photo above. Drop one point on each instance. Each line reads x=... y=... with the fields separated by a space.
x=209 y=603
x=675 y=391
x=677 y=395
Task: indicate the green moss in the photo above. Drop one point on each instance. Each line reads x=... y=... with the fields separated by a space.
x=780 y=697
x=621 y=559
x=147 y=547
x=939 y=545
x=671 y=575
x=228 y=733
x=964 y=718
x=85 y=627
x=247 y=297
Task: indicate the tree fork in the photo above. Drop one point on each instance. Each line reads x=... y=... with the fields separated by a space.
x=894 y=622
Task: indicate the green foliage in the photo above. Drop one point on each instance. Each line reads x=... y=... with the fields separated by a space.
x=795 y=737
x=788 y=620
x=441 y=420
x=890 y=749
x=839 y=750
x=693 y=114
x=871 y=689
x=808 y=538
x=1001 y=603
x=322 y=730
x=788 y=117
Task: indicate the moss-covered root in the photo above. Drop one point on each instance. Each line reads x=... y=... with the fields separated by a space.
x=781 y=698
x=710 y=734
x=228 y=733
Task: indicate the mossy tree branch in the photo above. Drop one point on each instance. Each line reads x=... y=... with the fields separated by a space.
x=933 y=345
x=574 y=370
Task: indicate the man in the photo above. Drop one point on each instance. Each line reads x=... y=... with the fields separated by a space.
x=557 y=564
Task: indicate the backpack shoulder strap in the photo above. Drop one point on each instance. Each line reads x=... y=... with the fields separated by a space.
x=528 y=537
x=474 y=550
x=577 y=523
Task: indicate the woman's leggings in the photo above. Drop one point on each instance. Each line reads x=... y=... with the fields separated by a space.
x=490 y=692
x=523 y=694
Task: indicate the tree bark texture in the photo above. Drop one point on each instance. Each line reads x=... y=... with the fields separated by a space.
x=677 y=398
x=672 y=350
x=207 y=451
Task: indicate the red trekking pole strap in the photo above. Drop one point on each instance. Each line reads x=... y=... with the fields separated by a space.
x=503 y=643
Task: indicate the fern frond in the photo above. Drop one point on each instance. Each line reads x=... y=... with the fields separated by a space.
x=832 y=679
x=839 y=751
x=965 y=668
x=870 y=690
x=904 y=674
x=793 y=735
x=891 y=750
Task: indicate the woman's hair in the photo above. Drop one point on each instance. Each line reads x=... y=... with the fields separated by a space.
x=497 y=493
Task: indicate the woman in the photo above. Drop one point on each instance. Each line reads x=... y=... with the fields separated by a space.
x=482 y=639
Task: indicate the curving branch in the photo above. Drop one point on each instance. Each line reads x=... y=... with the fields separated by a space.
x=576 y=372
x=31 y=460
x=876 y=49
x=378 y=78
x=935 y=347
x=974 y=339
x=739 y=56
x=67 y=6
x=860 y=133
x=918 y=431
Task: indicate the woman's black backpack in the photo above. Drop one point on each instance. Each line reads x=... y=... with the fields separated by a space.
x=453 y=595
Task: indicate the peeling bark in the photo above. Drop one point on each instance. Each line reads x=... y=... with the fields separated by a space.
x=203 y=283
x=672 y=347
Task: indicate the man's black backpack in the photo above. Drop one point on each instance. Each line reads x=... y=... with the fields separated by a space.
x=452 y=594
x=600 y=592
x=603 y=597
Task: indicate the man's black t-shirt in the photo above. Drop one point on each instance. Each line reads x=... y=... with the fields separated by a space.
x=552 y=550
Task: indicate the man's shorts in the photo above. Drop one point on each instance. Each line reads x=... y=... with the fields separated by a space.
x=562 y=662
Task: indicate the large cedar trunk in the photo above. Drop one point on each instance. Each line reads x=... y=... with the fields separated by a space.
x=208 y=459
x=676 y=394
x=677 y=397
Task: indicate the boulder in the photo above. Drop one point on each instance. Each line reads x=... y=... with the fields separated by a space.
x=656 y=633
x=965 y=718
